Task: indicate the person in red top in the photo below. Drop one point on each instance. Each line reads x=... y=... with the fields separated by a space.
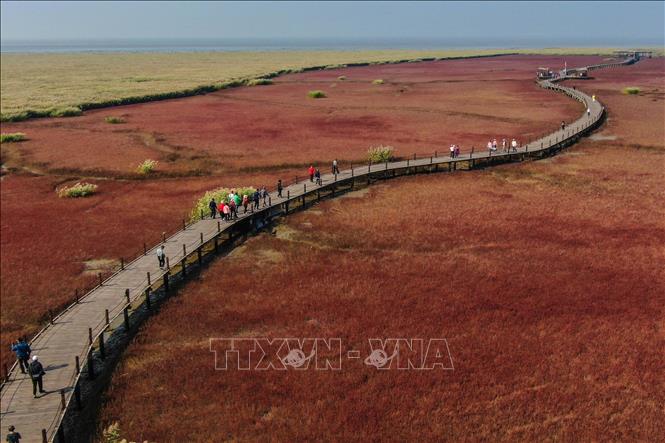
x=311 y=172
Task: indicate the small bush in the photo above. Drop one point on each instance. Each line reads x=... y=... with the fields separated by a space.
x=632 y=90
x=114 y=120
x=12 y=137
x=259 y=82
x=380 y=154
x=316 y=94
x=378 y=81
x=147 y=166
x=71 y=111
x=220 y=194
x=341 y=77
x=78 y=190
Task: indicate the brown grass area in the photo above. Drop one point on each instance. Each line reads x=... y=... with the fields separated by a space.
x=545 y=277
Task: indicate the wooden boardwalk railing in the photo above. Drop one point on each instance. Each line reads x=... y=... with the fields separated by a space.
x=74 y=341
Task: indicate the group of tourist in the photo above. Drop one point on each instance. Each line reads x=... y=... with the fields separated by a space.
x=492 y=146
x=454 y=151
x=29 y=364
x=228 y=208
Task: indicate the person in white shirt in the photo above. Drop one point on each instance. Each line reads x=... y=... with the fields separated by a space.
x=452 y=151
x=514 y=145
x=161 y=256
x=489 y=146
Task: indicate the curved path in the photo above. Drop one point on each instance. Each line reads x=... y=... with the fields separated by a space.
x=76 y=335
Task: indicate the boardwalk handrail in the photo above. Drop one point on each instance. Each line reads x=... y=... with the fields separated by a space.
x=297 y=193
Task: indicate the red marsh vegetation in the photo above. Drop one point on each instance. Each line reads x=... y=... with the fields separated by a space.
x=246 y=136
x=546 y=278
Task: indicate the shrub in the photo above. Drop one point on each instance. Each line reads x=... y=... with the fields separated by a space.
x=380 y=154
x=114 y=120
x=341 y=77
x=378 y=81
x=259 y=82
x=112 y=434
x=219 y=194
x=12 y=137
x=78 y=190
x=631 y=90
x=71 y=111
x=147 y=166
x=316 y=94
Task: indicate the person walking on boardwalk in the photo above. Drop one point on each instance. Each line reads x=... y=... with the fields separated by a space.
x=456 y=151
x=588 y=112
x=563 y=125
x=264 y=195
x=36 y=371
x=257 y=198
x=452 y=151
x=513 y=143
x=335 y=169
x=22 y=351
x=279 y=188
x=245 y=202
x=233 y=208
x=238 y=199
x=213 y=207
x=494 y=145
x=317 y=175
x=226 y=211
x=489 y=146
x=161 y=256
x=13 y=436
x=504 y=145
x=311 y=172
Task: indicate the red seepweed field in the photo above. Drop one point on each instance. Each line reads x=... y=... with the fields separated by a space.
x=247 y=136
x=544 y=277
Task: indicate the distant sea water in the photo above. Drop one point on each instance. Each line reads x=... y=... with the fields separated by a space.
x=281 y=44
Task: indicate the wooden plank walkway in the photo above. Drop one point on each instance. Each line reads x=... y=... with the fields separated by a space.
x=68 y=337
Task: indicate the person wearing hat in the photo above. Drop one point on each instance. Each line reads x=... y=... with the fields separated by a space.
x=36 y=371
x=13 y=436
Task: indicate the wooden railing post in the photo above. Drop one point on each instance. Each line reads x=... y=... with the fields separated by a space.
x=99 y=277
x=90 y=336
x=166 y=282
x=44 y=436
x=122 y=263
x=184 y=250
x=125 y=313
x=106 y=312
x=91 y=367
x=76 y=295
x=63 y=403
x=102 y=348
x=201 y=235
x=127 y=290
x=148 y=275
x=77 y=362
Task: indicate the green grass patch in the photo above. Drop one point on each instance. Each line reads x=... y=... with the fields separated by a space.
x=259 y=82
x=380 y=154
x=316 y=94
x=219 y=194
x=147 y=167
x=80 y=189
x=378 y=81
x=12 y=137
x=631 y=90
x=70 y=111
x=114 y=120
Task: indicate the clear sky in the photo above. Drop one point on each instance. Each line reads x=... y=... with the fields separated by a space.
x=636 y=21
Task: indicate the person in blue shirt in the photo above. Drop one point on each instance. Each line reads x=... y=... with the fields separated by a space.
x=22 y=351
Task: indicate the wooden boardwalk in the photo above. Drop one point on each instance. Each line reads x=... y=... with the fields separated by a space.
x=79 y=329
